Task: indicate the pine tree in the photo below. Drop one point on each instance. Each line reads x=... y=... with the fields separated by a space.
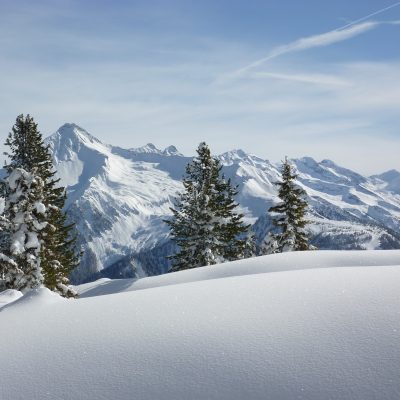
x=205 y=225
x=288 y=215
x=57 y=256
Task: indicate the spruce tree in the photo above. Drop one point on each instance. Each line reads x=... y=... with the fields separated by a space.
x=205 y=225
x=288 y=215
x=57 y=256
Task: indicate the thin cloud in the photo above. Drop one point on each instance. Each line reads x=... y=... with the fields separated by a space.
x=321 y=40
x=371 y=15
x=316 y=79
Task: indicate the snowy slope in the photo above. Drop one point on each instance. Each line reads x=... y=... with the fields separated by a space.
x=389 y=181
x=119 y=198
x=326 y=331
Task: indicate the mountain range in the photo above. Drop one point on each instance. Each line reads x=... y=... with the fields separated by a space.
x=118 y=199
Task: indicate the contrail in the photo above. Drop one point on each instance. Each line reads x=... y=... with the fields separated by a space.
x=369 y=16
x=320 y=40
x=339 y=34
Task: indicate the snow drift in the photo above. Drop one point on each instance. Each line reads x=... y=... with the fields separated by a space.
x=327 y=326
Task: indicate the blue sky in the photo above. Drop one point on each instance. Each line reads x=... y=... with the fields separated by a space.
x=274 y=77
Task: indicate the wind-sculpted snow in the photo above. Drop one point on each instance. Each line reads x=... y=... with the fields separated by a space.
x=290 y=261
x=9 y=296
x=326 y=331
x=120 y=197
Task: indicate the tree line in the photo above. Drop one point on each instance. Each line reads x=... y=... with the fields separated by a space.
x=38 y=245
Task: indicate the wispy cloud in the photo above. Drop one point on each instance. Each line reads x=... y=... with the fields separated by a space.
x=317 y=79
x=365 y=17
x=320 y=40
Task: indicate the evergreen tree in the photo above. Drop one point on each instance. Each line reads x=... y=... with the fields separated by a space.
x=25 y=223
x=270 y=245
x=288 y=215
x=250 y=245
x=57 y=256
x=205 y=225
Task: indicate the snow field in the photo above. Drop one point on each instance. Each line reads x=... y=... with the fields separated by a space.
x=327 y=326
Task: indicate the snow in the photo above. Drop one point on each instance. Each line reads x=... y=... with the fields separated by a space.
x=3 y=257
x=9 y=296
x=315 y=325
x=289 y=261
x=40 y=207
x=33 y=298
x=15 y=177
x=18 y=241
x=33 y=241
x=389 y=180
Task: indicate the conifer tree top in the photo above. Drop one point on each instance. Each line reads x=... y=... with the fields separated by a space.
x=28 y=150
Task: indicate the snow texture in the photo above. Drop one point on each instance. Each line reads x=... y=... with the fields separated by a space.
x=326 y=326
x=9 y=296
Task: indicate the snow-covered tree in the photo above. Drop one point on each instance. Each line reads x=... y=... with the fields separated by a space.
x=25 y=213
x=250 y=245
x=270 y=244
x=205 y=225
x=288 y=216
x=7 y=265
x=34 y=199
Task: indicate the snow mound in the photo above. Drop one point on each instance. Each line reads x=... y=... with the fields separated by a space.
x=318 y=333
x=8 y=296
x=33 y=298
x=272 y=263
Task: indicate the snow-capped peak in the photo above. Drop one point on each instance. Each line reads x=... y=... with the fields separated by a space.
x=148 y=148
x=171 y=151
x=73 y=132
x=389 y=180
x=68 y=141
x=388 y=176
x=309 y=161
x=238 y=155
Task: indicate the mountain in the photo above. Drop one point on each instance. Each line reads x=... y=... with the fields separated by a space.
x=389 y=181
x=119 y=198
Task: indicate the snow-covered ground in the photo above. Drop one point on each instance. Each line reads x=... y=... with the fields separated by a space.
x=313 y=325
